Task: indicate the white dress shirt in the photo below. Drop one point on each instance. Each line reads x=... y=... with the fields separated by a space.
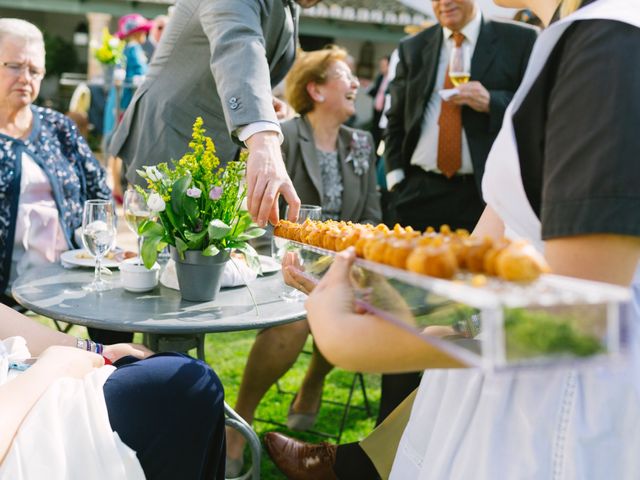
x=425 y=154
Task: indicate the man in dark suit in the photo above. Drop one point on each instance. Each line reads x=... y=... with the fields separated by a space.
x=436 y=149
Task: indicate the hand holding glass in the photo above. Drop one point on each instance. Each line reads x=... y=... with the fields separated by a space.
x=459 y=65
x=136 y=211
x=98 y=236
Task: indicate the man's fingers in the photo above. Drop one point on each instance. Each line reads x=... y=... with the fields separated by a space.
x=292 y=199
x=254 y=202
x=274 y=216
x=265 y=204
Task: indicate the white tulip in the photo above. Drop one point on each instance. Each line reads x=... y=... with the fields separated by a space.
x=156 y=203
x=153 y=174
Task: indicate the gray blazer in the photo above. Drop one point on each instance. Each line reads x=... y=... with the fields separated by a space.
x=217 y=59
x=360 y=198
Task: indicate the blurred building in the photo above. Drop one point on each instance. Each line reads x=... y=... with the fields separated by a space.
x=368 y=29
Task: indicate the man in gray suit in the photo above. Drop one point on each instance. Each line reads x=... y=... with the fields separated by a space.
x=218 y=59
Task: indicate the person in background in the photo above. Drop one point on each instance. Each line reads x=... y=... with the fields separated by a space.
x=47 y=170
x=543 y=182
x=330 y=165
x=67 y=413
x=378 y=91
x=435 y=150
x=134 y=30
x=155 y=34
x=218 y=59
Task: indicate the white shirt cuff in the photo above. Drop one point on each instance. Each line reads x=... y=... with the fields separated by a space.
x=245 y=132
x=394 y=177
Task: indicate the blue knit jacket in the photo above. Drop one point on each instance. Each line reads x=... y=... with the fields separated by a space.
x=74 y=173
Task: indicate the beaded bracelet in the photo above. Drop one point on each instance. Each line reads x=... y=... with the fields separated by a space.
x=89 y=346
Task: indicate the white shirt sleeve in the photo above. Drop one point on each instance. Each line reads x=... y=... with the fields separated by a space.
x=394 y=177
x=243 y=133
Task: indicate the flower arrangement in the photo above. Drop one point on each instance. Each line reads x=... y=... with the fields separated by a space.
x=198 y=204
x=111 y=50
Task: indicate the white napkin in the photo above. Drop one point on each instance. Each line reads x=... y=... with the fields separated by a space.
x=447 y=93
x=236 y=272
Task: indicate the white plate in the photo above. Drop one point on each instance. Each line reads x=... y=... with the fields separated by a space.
x=268 y=264
x=82 y=258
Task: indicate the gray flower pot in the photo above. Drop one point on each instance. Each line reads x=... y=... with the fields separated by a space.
x=199 y=277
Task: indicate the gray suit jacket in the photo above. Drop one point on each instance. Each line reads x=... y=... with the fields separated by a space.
x=217 y=59
x=360 y=198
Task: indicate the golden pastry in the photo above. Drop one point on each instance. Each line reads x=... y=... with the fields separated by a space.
x=520 y=262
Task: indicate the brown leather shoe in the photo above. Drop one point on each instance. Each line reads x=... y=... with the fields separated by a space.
x=299 y=460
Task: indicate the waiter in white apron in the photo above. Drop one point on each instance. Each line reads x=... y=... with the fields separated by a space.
x=563 y=173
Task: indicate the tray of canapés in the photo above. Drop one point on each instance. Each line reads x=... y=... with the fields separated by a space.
x=491 y=303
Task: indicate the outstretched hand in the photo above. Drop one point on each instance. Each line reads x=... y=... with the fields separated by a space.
x=118 y=350
x=267 y=179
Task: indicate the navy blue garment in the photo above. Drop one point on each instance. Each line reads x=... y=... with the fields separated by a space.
x=169 y=408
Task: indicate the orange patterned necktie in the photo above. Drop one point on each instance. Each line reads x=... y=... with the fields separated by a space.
x=450 y=122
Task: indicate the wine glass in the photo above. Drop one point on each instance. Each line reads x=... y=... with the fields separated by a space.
x=136 y=211
x=279 y=247
x=459 y=65
x=98 y=237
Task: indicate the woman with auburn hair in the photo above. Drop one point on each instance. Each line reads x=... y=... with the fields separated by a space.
x=563 y=173
x=330 y=165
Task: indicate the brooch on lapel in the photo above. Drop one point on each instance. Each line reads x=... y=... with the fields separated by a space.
x=359 y=153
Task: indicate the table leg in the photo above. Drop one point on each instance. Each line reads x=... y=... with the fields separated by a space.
x=175 y=343
x=236 y=421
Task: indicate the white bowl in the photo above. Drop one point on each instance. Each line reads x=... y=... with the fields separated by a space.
x=137 y=278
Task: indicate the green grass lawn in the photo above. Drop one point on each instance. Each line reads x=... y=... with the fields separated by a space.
x=227 y=354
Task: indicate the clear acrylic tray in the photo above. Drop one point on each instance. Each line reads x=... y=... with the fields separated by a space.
x=487 y=322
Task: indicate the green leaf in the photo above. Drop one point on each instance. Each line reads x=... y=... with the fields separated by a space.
x=150 y=250
x=150 y=229
x=244 y=221
x=178 y=196
x=210 y=251
x=191 y=208
x=181 y=246
x=194 y=240
x=217 y=229
x=251 y=233
x=251 y=255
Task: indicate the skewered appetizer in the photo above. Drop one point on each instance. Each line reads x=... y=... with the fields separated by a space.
x=438 y=254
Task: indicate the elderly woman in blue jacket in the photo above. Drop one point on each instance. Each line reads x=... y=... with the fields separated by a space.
x=47 y=170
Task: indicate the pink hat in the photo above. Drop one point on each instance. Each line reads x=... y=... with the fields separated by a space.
x=132 y=23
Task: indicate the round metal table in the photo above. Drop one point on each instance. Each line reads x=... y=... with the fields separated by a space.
x=168 y=322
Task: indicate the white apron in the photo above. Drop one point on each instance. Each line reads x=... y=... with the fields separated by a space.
x=548 y=424
x=66 y=435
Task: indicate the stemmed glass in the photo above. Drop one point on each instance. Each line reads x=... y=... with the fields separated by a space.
x=279 y=247
x=98 y=237
x=459 y=65
x=136 y=211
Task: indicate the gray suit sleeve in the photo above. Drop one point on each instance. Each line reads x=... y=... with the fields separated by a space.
x=238 y=60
